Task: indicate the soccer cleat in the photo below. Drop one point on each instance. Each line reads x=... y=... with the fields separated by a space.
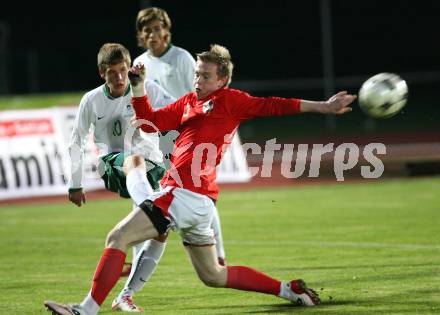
x=125 y=304
x=300 y=294
x=64 y=309
x=126 y=269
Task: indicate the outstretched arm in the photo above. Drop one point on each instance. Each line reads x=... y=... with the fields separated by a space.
x=337 y=104
x=244 y=106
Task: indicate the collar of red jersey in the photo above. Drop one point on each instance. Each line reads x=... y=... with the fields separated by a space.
x=212 y=95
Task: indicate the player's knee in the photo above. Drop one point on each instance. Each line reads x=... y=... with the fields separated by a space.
x=115 y=238
x=133 y=161
x=212 y=279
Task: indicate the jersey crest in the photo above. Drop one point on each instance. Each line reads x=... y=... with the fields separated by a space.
x=208 y=106
x=128 y=111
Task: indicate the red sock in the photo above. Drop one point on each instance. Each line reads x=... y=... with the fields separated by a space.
x=107 y=273
x=248 y=279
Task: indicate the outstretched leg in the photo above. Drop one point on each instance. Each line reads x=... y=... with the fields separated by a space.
x=212 y=274
x=134 y=228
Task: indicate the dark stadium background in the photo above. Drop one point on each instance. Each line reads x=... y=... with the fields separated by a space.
x=277 y=47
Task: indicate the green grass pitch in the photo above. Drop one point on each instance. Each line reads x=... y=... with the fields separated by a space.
x=368 y=248
x=39 y=100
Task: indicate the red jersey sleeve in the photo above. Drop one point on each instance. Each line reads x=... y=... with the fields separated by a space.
x=167 y=118
x=245 y=106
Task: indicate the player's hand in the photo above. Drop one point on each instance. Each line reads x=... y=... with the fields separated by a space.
x=136 y=74
x=221 y=261
x=77 y=197
x=339 y=103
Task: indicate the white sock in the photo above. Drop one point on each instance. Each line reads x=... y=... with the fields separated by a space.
x=136 y=249
x=145 y=264
x=137 y=185
x=285 y=291
x=89 y=305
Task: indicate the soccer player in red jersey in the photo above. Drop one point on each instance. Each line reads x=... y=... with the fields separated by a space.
x=206 y=121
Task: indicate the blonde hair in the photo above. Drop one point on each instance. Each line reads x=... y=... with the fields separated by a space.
x=148 y=15
x=111 y=54
x=221 y=57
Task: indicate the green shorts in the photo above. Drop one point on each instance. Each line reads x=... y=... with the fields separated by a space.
x=114 y=177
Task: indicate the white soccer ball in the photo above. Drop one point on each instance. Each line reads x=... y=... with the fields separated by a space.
x=383 y=95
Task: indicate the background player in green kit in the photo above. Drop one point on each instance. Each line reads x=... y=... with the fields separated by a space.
x=107 y=110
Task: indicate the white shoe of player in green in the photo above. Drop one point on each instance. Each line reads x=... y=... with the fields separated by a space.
x=64 y=309
x=298 y=293
x=125 y=304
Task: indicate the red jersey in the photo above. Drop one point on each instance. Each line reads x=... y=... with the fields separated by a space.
x=205 y=129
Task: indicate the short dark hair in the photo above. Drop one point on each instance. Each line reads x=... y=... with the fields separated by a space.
x=112 y=53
